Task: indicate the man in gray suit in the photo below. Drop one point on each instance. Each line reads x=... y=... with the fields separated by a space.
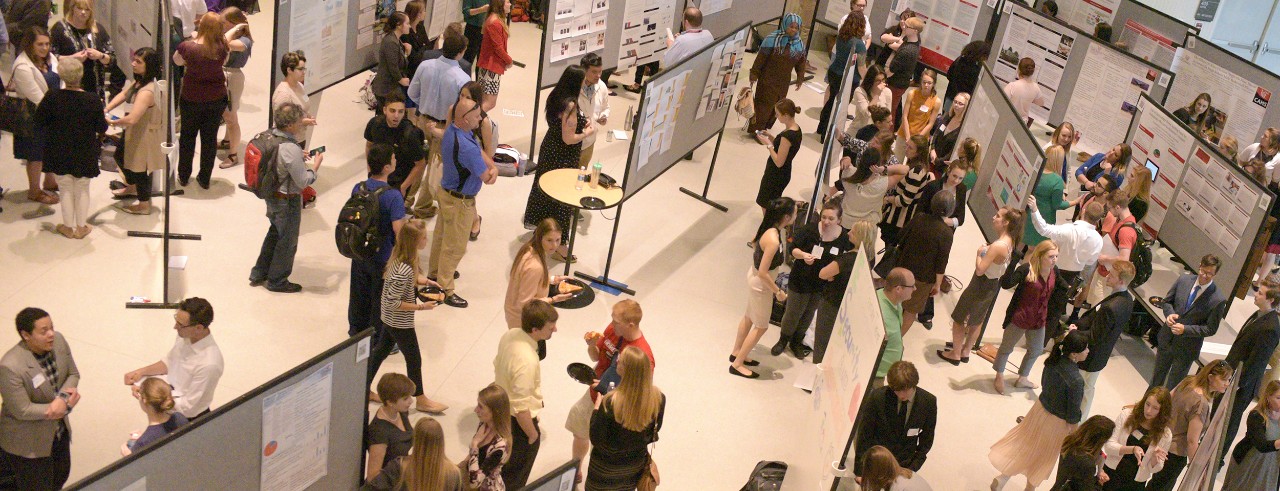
x=1193 y=308
x=38 y=379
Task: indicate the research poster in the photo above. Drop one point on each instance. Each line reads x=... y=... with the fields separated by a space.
x=661 y=109
x=133 y=27
x=1048 y=43
x=722 y=76
x=1216 y=200
x=578 y=28
x=1103 y=103
x=1147 y=44
x=295 y=433
x=980 y=118
x=949 y=28
x=443 y=13
x=644 y=31
x=319 y=29
x=1238 y=104
x=837 y=9
x=1164 y=147
x=849 y=365
x=709 y=7
x=1084 y=14
x=1014 y=176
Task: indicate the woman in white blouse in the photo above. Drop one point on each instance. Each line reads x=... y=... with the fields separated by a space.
x=34 y=74
x=872 y=92
x=1139 y=446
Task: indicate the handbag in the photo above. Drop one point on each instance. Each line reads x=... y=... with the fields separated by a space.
x=888 y=261
x=16 y=112
x=745 y=108
x=649 y=480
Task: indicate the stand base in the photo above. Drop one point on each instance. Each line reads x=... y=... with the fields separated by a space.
x=704 y=199
x=605 y=283
x=158 y=235
x=151 y=305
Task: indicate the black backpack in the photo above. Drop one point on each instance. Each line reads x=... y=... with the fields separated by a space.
x=1140 y=256
x=767 y=476
x=357 y=233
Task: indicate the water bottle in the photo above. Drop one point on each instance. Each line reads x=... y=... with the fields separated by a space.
x=595 y=174
x=582 y=177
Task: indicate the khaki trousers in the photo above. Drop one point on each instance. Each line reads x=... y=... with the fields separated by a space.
x=585 y=158
x=449 y=243
x=428 y=190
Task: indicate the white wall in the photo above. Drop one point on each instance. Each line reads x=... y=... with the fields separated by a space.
x=1185 y=11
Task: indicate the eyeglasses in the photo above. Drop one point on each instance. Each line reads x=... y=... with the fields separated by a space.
x=178 y=323
x=909 y=287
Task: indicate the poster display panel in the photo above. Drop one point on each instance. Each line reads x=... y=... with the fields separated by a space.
x=1239 y=104
x=734 y=13
x=295 y=433
x=1084 y=14
x=723 y=74
x=577 y=28
x=1049 y=44
x=1147 y=44
x=339 y=37
x=1163 y=146
x=1103 y=102
x=643 y=33
x=950 y=25
x=849 y=365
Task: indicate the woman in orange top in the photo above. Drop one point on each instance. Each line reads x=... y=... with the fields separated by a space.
x=921 y=106
x=494 y=59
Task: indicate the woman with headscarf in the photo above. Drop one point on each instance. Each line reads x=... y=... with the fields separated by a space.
x=780 y=54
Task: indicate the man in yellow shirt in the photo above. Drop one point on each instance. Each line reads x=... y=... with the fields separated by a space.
x=517 y=371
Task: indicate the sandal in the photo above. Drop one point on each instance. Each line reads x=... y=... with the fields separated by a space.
x=43 y=198
x=136 y=209
x=475 y=234
x=224 y=145
x=66 y=231
x=635 y=88
x=232 y=160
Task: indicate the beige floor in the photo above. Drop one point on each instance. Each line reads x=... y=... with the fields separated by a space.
x=685 y=259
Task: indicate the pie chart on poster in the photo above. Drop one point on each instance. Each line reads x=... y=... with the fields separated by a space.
x=271 y=448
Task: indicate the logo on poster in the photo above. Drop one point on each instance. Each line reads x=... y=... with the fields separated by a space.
x=1262 y=97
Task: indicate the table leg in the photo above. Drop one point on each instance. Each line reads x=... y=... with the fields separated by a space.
x=573 y=231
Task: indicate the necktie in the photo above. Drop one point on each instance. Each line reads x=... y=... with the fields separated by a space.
x=1192 y=297
x=902 y=412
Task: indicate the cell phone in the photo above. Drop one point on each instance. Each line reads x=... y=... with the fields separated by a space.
x=113 y=117
x=316 y=151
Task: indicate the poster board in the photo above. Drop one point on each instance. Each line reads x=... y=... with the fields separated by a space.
x=441 y=13
x=1104 y=91
x=339 y=37
x=848 y=367
x=1241 y=90
x=1216 y=208
x=832 y=150
x=132 y=24
x=677 y=98
x=1085 y=14
x=735 y=12
x=604 y=22
x=950 y=24
x=231 y=432
x=1024 y=32
x=1011 y=156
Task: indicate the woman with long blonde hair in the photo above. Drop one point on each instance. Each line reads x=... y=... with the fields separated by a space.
x=1138 y=186
x=426 y=468
x=399 y=303
x=1064 y=136
x=1255 y=463
x=203 y=97
x=623 y=425
x=1033 y=283
x=488 y=450
x=80 y=36
x=1048 y=194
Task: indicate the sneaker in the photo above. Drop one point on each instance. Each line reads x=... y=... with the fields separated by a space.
x=287 y=287
x=453 y=300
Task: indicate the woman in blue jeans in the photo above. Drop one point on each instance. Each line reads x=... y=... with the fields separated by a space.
x=1034 y=281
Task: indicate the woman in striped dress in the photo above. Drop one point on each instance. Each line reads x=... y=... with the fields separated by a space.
x=901 y=202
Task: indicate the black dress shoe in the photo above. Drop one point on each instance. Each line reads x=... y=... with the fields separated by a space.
x=740 y=374
x=456 y=275
x=204 y=183
x=948 y=360
x=183 y=181
x=928 y=325
x=453 y=300
x=750 y=363
x=800 y=351
x=776 y=350
x=287 y=287
x=253 y=282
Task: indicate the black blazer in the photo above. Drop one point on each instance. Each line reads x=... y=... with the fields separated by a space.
x=909 y=442
x=1104 y=323
x=1255 y=438
x=1015 y=277
x=1253 y=348
x=1200 y=320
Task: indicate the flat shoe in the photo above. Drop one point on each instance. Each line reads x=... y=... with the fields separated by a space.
x=743 y=375
x=135 y=210
x=232 y=160
x=117 y=185
x=948 y=360
x=476 y=234
x=66 y=231
x=433 y=408
x=750 y=363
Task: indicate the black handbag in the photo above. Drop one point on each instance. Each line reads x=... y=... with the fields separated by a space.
x=16 y=112
x=888 y=261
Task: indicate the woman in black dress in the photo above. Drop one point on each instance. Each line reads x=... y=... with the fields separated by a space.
x=1081 y=452
x=560 y=149
x=782 y=150
x=623 y=425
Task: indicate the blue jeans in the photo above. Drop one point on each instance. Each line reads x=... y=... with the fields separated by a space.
x=364 y=309
x=275 y=261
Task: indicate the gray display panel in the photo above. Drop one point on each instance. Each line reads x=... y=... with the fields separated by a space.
x=754 y=11
x=951 y=24
x=233 y=434
x=643 y=165
x=551 y=70
x=1241 y=90
x=1011 y=157
x=339 y=37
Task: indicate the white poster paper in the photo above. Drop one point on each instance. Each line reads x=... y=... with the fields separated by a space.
x=1238 y=104
x=1084 y=14
x=319 y=28
x=1147 y=44
x=1163 y=146
x=1048 y=43
x=1103 y=104
x=295 y=433
x=722 y=76
x=644 y=25
x=951 y=24
x=1014 y=175
x=709 y=7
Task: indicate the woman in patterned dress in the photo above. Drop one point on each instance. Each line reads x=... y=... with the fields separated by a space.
x=560 y=149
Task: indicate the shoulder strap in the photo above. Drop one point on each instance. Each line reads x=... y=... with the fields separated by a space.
x=463 y=172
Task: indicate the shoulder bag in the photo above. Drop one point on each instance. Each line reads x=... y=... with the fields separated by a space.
x=16 y=112
x=650 y=478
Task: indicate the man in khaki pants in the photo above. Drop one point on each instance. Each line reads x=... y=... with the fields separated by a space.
x=462 y=174
x=434 y=88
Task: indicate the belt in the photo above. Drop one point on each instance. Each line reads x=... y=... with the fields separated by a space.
x=459 y=195
x=280 y=195
x=433 y=120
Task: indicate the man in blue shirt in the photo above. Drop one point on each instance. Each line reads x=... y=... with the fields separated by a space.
x=434 y=88
x=463 y=173
x=364 y=309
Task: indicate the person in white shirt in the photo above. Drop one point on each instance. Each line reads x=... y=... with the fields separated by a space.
x=858 y=7
x=188 y=11
x=1079 y=244
x=194 y=364
x=688 y=42
x=593 y=101
x=1025 y=92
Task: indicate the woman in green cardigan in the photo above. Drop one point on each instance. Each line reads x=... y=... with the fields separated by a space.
x=1048 y=193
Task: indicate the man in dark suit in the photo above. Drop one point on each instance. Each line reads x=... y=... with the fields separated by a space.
x=38 y=379
x=1104 y=322
x=1250 y=353
x=1192 y=310
x=900 y=417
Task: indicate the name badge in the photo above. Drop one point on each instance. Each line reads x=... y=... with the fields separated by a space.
x=835 y=251
x=38 y=380
x=924 y=109
x=913 y=432
x=817 y=251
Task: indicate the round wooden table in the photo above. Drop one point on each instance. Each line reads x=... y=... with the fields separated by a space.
x=561 y=184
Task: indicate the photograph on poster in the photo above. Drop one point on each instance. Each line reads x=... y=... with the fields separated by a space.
x=1236 y=105
x=1106 y=102
x=1013 y=176
x=723 y=74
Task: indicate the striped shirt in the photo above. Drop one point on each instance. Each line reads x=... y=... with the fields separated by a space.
x=904 y=198
x=398 y=288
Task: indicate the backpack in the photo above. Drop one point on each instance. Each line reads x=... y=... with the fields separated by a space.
x=260 y=164
x=1140 y=256
x=357 y=232
x=767 y=476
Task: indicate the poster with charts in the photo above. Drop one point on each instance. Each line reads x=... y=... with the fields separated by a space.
x=950 y=28
x=1048 y=43
x=722 y=76
x=295 y=433
x=1014 y=175
x=849 y=365
x=1238 y=104
x=1215 y=200
x=1162 y=145
x=1084 y=14
x=644 y=30
x=709 y=7
x=320 y=27
x=1104 y=103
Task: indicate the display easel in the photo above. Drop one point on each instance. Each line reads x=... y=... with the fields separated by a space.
x=169 y=149
x=857 y=422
